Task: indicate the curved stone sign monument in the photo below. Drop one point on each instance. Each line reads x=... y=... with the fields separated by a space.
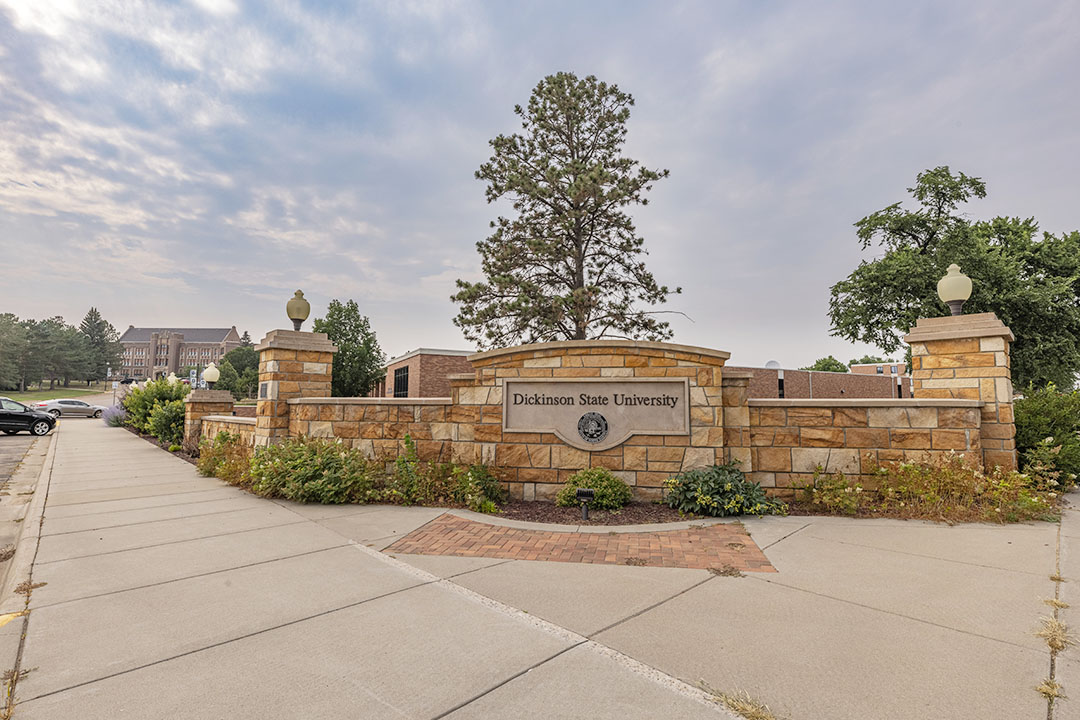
x=597 y=413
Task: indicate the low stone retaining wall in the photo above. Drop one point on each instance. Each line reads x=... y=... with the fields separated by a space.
x=242 y=426
x=791 y=438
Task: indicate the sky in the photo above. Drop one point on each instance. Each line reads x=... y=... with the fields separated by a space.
x=192 y=163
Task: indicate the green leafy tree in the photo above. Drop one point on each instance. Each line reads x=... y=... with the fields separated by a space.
x=1032 y=283
x=228 y=379
x=104 y=344
x=245 y=340
x=359 y=361
x=827 y=364
x=568 y=265
x=869 y=360
x=249 y=381
x=242 y=358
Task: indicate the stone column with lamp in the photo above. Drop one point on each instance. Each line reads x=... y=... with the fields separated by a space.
x=967 y=357
x=202 y=402
x=292 y=364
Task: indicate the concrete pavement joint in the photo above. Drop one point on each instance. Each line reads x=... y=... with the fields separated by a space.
x=109 y=512
x=186 y=577
x=508 y=680
x=91 y=502
x=890 y=612
x=786 y=536
x=227 y=642
x=653 y=606
x=146 y=522
x=574 y=639
x=928 y=557
x=172 y=542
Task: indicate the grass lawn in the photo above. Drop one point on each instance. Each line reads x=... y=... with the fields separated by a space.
x=39 y=395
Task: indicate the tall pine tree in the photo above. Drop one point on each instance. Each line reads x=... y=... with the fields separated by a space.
x=568 y=266
x=105 y=348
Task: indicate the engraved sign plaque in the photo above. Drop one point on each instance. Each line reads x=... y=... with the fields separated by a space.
x=597 y=413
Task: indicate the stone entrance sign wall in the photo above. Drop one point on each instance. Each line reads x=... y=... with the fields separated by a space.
x=649 y=411
x=596 y=413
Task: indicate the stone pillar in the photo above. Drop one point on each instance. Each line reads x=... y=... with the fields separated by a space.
x=735 y=386
x=200 y=403
x=292 y=364
x=967 y=357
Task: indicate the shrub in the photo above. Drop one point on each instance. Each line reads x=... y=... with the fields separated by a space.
x=947 y=488
x=1047 y=419
x=140 y=402
x=115 y=416
x=167 y=421
x=412 y=482
x=225 y=457
x=611 y=492
x=312 y=470
x=175 y=448
x=719 y=491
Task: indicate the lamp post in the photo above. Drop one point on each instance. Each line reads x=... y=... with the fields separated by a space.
x=954 y=289
x=211 y=375
x=298 y=309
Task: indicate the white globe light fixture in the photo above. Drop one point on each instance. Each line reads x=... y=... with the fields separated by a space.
x=211 y=375
x=954 y=289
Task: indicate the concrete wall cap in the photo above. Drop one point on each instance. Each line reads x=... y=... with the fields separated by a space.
x=368 y=401
x=613 y=344
x=230 y=419
x=208 y=396
x=734 y=374
x=296 y=340
x=955 y=327
x=863 y=402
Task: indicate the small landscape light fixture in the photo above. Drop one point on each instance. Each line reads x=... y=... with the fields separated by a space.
x=298 y=309
x=954 y=289
x=173 y=379
x=211 y=375
x=585 y=496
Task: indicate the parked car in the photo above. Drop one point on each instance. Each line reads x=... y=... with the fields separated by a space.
x=73 y=408
x=14 y=416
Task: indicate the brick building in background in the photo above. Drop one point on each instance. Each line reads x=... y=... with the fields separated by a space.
x=423 y=373
x=156 y=352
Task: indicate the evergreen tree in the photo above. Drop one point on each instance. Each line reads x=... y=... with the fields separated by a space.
x=245 y=340
x=105 y=348
x=568 y=265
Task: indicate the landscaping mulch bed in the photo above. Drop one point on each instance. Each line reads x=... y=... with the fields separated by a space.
x=636 y=513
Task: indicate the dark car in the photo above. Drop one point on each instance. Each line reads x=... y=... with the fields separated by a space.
x=15 y=416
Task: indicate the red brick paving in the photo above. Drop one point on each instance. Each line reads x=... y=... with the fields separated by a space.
x=720 y=546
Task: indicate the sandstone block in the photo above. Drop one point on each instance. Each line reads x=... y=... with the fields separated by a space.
x=843 y=461
x=958 y=417
x=922 y=417
x=806 y=417
x=487 y=433
x=697 y=458
x=771 y=459
x=772 y=416
x=991 y=344
x=321 y=429
x=909 y=439
x=346 y=430
x=867 y=438
x=821 y=437
x=887 y=417
x=569 y=458
x=849 y=417
x=806 y=460
x=946 y=347
x=949 y=440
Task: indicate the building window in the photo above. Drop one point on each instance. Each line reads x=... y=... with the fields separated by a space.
x=880 y=370
x=892 y=369
x=401 y=382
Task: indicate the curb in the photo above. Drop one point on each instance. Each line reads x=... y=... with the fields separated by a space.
x=598 y=529
x=21 y=565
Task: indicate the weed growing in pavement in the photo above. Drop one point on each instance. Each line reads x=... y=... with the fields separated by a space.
x=741 y=703
x=726 y=570
x=947 y=487
x=26 y=587
x=1056 y=634
x=7 y=552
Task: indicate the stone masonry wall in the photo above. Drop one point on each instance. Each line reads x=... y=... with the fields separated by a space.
x=244 y=427
x=791 y=438
x=467 y=427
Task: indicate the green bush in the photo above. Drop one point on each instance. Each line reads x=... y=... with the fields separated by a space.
x=167 y=422
x=948 y=488
x=1048 y=419
x=140 y=402
x=225 y=457
x=412 y=482
x=611 y=492
x=312 y=470
x=719 y=491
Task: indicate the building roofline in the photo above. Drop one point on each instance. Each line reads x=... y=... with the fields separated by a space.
x=427 y=351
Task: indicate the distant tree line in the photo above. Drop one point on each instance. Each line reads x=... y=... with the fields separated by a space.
x=35 y=351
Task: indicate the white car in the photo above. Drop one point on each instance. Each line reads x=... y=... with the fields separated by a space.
x=70 y=408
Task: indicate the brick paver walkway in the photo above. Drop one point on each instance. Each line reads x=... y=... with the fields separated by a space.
x=722 y=547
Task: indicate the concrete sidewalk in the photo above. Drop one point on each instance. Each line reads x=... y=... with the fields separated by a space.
x=174 y=596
